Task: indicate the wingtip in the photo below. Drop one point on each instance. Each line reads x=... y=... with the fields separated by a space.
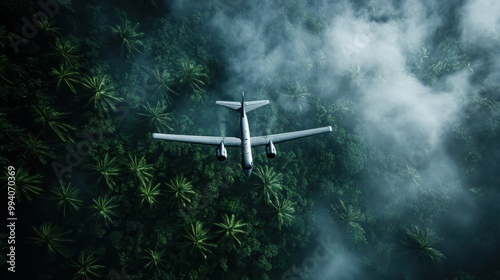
x=154 y=135
x=330 y=128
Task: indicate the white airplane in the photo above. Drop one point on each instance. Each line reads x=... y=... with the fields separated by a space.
x=245 y=142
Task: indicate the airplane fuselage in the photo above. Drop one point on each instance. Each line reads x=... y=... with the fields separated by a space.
x=246 y=145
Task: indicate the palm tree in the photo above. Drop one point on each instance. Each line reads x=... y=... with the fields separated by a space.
x=102 y=92
x=181 y=189
x=294 y=97
x=231 y=229
x=36 y=147
x=46 y=26
x=108 y=169
x=128 y=36
x=67 y=199
x=149 y=193
x=282 y=212
x=155 y=258
x=347 y=215
x=198 y=238
x=87 y=266
x=350 y=219
x=269 y=183
x=67 y=52
x=412 y=174
x=140 y=169
x=103 y=207
x=420 y=245
x=47 y=116
x=355 y=76
x=161 y=83
x=157 y=118
x=66 y=75
x=52 y=238
x=191 y=76
x=7 y=129
x=26 y=185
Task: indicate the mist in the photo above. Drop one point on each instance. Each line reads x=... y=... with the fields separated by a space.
x=368 y=56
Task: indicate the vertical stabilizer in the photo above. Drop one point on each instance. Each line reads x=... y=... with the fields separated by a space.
x=243 y=100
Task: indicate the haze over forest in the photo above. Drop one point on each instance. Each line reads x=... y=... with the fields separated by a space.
x=404 y=187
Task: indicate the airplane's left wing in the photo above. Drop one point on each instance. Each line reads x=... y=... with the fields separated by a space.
x=203 y=140
x=282 y=137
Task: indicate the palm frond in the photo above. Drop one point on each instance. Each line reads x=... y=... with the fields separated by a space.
x=268 y=183
x=231 y=229
x=67 y=198
x=198 y=237
x=157 y=118
x=181 y=189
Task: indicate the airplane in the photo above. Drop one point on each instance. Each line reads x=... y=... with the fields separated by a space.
x=245 y=142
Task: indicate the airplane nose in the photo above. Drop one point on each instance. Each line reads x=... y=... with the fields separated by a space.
x=248 y=172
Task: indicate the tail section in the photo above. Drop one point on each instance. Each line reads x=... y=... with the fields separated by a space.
x=248 y=105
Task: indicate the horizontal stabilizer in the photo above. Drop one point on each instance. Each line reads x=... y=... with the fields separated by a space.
x=252 y=105
x=249 y=105
x=233 y=105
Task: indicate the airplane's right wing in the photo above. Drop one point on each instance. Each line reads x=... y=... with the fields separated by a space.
x=282 y=137
x=203 y=140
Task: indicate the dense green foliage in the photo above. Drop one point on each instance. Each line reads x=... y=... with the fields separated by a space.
x=99 y=198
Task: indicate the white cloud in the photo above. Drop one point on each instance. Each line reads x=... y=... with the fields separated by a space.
x=480 y=19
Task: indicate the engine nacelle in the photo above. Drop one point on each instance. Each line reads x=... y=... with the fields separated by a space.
x=221 y=152
x=270 y=150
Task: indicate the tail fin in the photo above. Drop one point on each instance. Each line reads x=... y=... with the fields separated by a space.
x=249 y=105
